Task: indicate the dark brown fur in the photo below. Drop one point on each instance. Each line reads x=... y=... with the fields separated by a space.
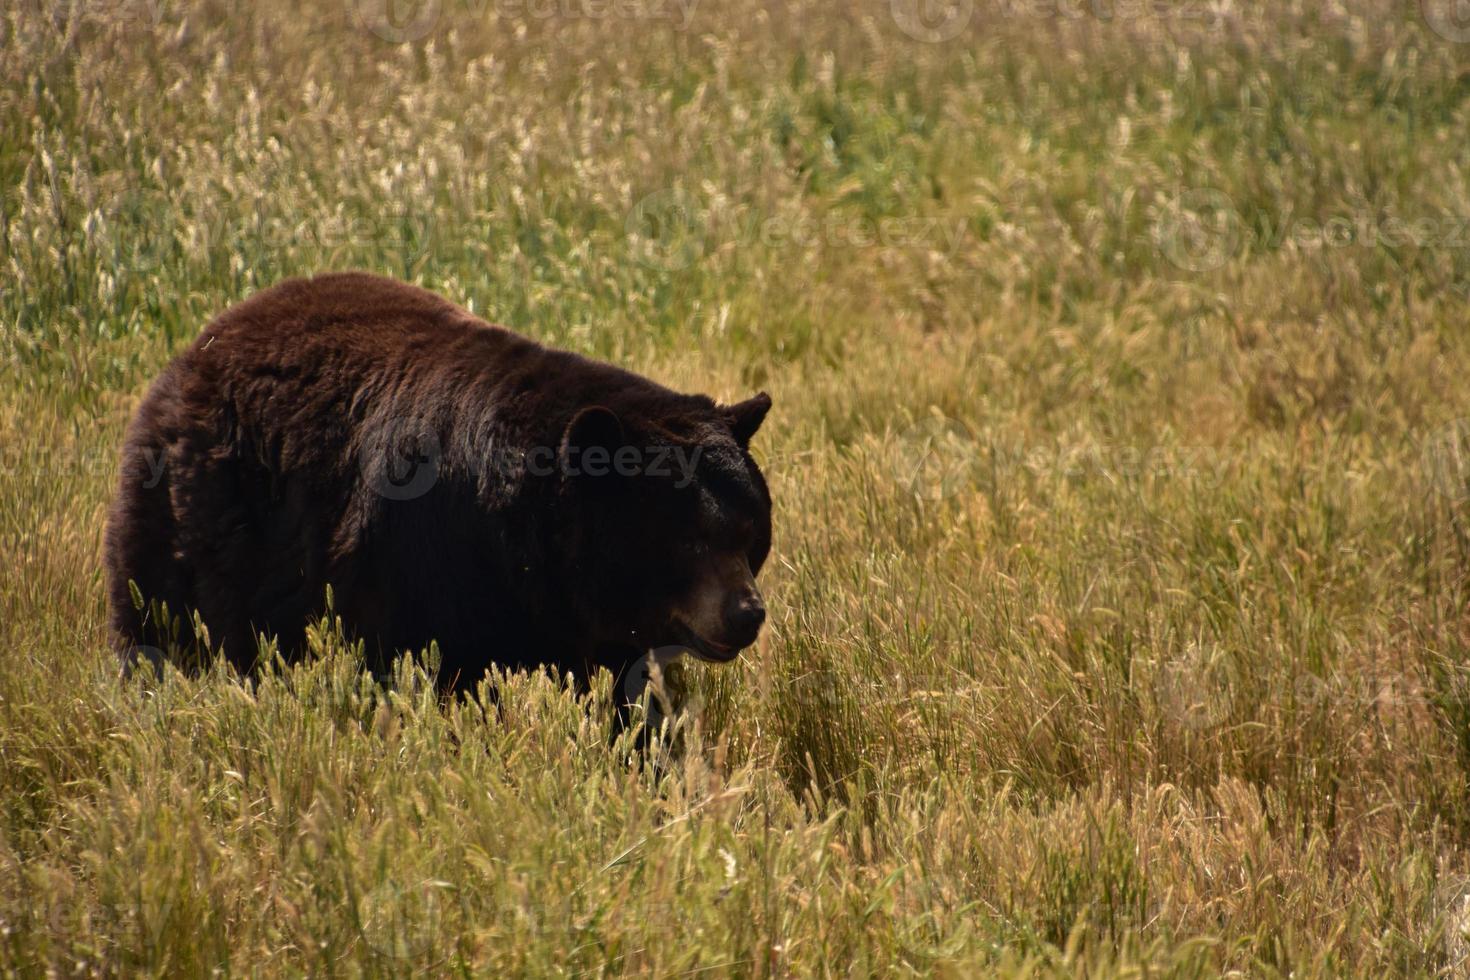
x=253 y=478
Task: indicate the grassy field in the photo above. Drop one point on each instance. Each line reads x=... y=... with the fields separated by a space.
x=1121 y=457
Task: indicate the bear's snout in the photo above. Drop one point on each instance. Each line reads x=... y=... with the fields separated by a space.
x=725 y=612
x=744 y=616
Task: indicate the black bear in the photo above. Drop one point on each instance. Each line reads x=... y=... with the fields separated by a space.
x=450 y=480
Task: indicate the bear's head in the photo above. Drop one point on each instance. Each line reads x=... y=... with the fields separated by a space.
x=673 y=523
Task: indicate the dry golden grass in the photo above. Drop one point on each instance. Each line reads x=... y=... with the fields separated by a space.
x=1119 y=596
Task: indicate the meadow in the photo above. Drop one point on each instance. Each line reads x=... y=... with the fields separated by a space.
x=1120 y=452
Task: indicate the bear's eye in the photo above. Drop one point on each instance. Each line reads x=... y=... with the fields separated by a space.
x=741 y=530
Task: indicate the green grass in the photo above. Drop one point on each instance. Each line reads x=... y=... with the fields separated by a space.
x=1120 y=457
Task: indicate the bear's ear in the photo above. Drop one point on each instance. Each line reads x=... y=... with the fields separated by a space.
x=746 y=417
x=595 y=427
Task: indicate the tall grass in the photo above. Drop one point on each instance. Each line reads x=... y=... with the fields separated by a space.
x=1122 y=480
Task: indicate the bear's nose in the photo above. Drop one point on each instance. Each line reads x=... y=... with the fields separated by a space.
x=744 y=619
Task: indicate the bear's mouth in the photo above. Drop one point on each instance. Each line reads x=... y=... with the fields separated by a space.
x=702 y=648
